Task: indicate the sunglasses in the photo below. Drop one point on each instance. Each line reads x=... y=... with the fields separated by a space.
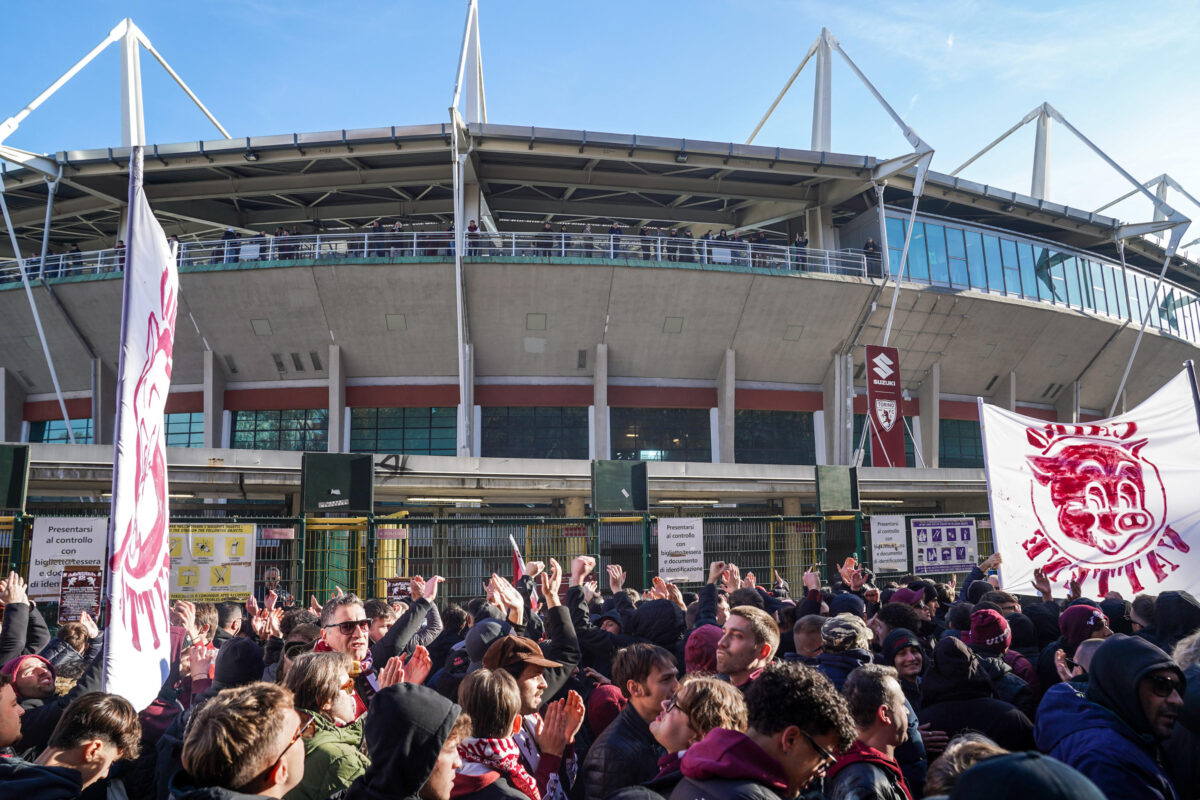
x=1162 y=686
x=827 y=758
x=347 y=628
x=1073 y=664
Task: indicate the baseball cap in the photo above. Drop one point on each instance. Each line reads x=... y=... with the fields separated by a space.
x=511 y=650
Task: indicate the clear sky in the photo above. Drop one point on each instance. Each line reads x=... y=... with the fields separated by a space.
x=959 y=72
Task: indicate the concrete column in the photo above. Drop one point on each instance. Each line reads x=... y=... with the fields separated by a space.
x=837 y=388
x=1005 y=395
x=466 y=404
x=104 y=402
x=12 y=406
x=1067 y=403
x=603 y=445
x=574 y=506
x=337 y=399
x=818 y=222
x=726 y=406
x=214 y=401
x=791 y=506
x=929 y=396
x=471 y=197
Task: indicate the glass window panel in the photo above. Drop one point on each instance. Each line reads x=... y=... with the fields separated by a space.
x=545 y=432
x=976 y=267
x=1012 y=275
x=1120 y=290
x=1096 y=273
x=935 y=245
x=1031 y=283
x=910 y=457
x=995 y=264
x=954 y=243
x=960 y=443
x=1071 y=270
x=667 y=434
x=918 y=259
x=774 y=437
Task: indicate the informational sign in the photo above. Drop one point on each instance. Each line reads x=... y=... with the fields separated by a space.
x=681 y=549
x=398 y=589
x=277 y=533
x=889 y=543
x=59 y=541
x=81 y=590
x=392 y=532
x=944 y=545
x=211 y=562
x=885 y=406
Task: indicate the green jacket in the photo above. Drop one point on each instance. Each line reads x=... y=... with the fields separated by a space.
x=333 y=759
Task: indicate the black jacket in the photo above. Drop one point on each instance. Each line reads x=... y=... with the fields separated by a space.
x=598 y=646
x=396 y=640
x=183 y=788
x=864 y=781
x=41 y=716
x=956 y=696
x=1006 y=684
x=28 y=781
x=1176 y=614
x=624 y=755
x=405 y=730
x=24 y=632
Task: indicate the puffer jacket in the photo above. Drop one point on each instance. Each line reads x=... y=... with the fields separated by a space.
x=864 y=772
x=333 y=759
x=838 y=666
x=624 y=755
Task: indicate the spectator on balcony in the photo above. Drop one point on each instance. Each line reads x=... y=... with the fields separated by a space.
x=689 y=247
x=614 y=236
x=760 y=248
x=229 y=243
x=563 y=241
x=472 y=239
x=545 y=241
x=119 y=256
x=373 y=240
x=738 y=247
x=800 y=251
x=75 y=255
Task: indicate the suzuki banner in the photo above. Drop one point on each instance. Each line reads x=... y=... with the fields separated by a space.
x=1112 y=504
x=885 y=406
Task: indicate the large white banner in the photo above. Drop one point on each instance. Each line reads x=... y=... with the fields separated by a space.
x=137 y=640
x=1114 y=504
x=61 y=541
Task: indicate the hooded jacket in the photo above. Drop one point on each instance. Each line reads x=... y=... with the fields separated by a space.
x=838 y=666
x=727 y=765
x=1184 y=743
x=956 y=695
x=332 y=760
x=1176 y=614
x=20 y=778
x=182 y=788
x=865 y=772
x=405 y=731
x=1105 y=734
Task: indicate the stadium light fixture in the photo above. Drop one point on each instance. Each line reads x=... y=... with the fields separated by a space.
x=250 y=155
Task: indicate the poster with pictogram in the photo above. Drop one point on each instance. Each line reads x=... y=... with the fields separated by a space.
x=211 y=562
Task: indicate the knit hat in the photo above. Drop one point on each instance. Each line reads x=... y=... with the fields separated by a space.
x=896 y=641
x=1028 y=774
x=909 y=597
x=10 y=667
x=1078 y=622
x=614 y=615
x=847 y=603
x=977 y=589
x=603 y=707
x=1024 y=634
x=700 y=652
x=845 y=632
x=239 y=662
x=990 y=631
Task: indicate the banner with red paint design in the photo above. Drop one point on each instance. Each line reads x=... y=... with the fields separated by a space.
x=1112 y=503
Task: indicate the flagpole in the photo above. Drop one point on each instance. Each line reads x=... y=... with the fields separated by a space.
x=1191 y=371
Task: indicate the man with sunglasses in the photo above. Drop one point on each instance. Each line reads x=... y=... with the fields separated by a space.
x=345 y=628
x=1112 y=731
x=245 y=741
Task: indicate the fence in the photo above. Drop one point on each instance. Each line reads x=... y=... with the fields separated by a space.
x=391 y=245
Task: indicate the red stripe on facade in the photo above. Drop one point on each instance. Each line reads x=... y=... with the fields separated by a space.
x=1047 y=414
x=494 y=396
x=402 y=396
x=281 y=399
x=777 y=400
x=46 y=410
x=661 y=397
x=958 y=409
x=185 y=402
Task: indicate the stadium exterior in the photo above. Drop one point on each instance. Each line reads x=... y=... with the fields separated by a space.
x=495 y=365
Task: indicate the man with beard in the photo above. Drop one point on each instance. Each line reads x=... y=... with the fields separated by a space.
x=750 y=640
x=868 y=770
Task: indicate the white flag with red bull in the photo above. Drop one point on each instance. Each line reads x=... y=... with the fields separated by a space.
x=1113 y=504
x=137 y=637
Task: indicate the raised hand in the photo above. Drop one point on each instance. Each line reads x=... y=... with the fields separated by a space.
x=597 y=677
x=533 y=568
x=272 y=598
x=749 y=582
x=857 y=578
x=429 y=589
x=85 y=619
x=616 y=578
x=314 y=606
x=1074 y=591
x=274 y=623
x=392 y=672
x=187 y=618
x=418 y=666
x=551 y=734
x=252 y=606
x=812 y=578
x=1041 y=583
x=715 y=570
x=14 y=590
x=509 y=598
x=259 y=623
x=574 y=710
x=550 y=582
x=202 y=658
x=581 y=566
x=676 y=596
x=991 y=562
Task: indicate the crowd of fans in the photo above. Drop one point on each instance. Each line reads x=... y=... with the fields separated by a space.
x=534 y=690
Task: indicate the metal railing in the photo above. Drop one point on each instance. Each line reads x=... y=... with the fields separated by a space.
x=392 y=244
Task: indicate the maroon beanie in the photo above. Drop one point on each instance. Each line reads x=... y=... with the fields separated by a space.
x=13 y=665
x=1077 y=624
x=700 y=652
x=909 y=597
x=603 y=707
x=990 y=630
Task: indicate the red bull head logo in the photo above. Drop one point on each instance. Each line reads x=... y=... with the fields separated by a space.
x=1098 y=500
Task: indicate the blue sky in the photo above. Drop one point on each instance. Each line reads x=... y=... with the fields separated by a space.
x=959 y=72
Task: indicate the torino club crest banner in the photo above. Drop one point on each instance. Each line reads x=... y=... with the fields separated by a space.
x=137 y=638
x=885 y=406
x=1114 y=504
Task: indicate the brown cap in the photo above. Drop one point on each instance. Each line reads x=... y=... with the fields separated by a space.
x=509 y=650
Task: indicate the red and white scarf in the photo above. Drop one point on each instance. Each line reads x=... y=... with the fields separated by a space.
x=501 y=755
